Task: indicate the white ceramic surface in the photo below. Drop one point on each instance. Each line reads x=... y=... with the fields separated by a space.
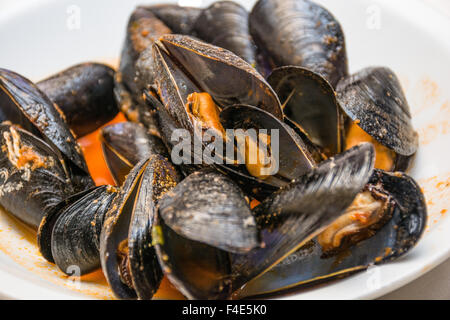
x=42 y=36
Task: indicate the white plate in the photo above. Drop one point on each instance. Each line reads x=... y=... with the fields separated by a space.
x=41 y=37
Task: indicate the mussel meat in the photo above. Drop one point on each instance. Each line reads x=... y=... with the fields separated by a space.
x=406 y=221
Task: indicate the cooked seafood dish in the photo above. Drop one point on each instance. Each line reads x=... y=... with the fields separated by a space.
x=243 y=141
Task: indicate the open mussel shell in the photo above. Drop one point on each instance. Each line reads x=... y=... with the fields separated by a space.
x=125 y=144
x=159 y=178
x=143 y=29
x=300 y=33
x=374 y=99
x=298 y=212
x=197 y=270
x=179 y=19
x=115 y=231
x=33 y=177
x=75 y=235
x=25 y=105
x=166 y=124
x=209 y=207
x=225 y=24
x=293 y=158
x=173 y=86
x=316 y=151
x=287 y=220
x=399 y=235
x=201 y=60
x=309 y=101
x=166 y=127
x=127 y=255
x=84 y=93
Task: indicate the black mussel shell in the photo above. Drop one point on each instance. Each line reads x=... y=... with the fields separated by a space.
x=287 y=220
x=316 y=152
x=219 y=72
x=197 y=270
x=130 y=220
x=158 y=179
x=298 y=212
x=115 y=231
x=135 y=111
x=209 y=207
x=23 y=104
x=309 y=101
x=300 y=33
x=294 y=159
x=84 y=93
x=173 y=86
x=399 y=235
x=33 y=177
x=167 y=126
x=374 y=98
x=225 y=24
x=142 y=31
x=44 y=234
x=179 y=19
x=125 y=144
x=75 y=239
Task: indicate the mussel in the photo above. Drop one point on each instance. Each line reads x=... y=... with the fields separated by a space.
x=208 y=207
x=200 y=61
x=199 y=222
x=286 y=221
x=143 y=29
x=378 y=112
x=127 y=253
x=271 y=183
x=84 y=93
x=125 y=144
x=197 y=270
x=192 y=100
x=300 y=33
x=69 y=233
x=45 y=182
x=407 y=216
x=310 y=106
x=180 y=19
x=33 y=177
x=293 y=159
x=25 y=105
x=225 y=24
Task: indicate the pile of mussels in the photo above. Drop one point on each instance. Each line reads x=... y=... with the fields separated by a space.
x=339 y=202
